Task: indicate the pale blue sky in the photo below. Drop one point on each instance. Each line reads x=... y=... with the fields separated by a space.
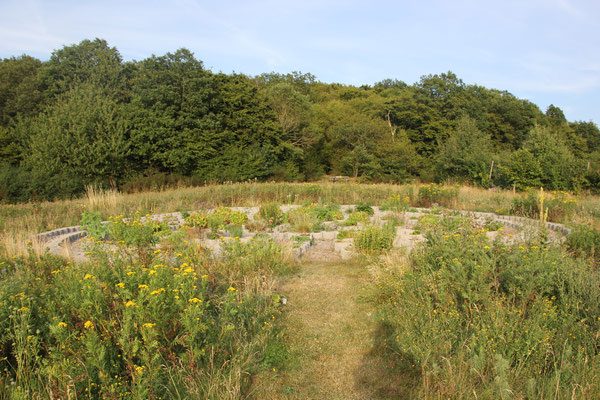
x=546 y=51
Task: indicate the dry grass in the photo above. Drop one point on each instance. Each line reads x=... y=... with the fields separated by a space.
x=101 y=199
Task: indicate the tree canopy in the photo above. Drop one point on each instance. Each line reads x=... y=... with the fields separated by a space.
x=87 y=117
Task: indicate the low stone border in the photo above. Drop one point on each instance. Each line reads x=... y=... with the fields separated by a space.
x=405 y=237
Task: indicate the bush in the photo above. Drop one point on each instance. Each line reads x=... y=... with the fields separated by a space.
x=374 y=239
x=224 y=216
x=364 y=207
x=199 y=220
x=308 y=218
x=478 y=319
x=91 y=222
x=271 y=214
x=356 y=217
x=585 y=240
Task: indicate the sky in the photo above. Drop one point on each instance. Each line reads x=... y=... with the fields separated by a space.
x=545 y=51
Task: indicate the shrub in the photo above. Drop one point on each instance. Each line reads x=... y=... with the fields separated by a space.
x=373 y=239
x=199 y=220
x=364 y=207
x=346 y=234
x=585 y=240
x=396 y=203
x=91 y=222
x=223 y=216
x=356 y=217
x=300 y=240
x=324 y=213
x=271 y=214
x=308 y=218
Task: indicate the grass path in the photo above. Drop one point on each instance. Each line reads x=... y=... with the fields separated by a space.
x=333 y=338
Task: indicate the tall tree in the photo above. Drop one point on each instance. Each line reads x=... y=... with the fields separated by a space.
x=79 y=140
x=466 y=154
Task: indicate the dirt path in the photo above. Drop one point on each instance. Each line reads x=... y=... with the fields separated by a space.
x=333 y=339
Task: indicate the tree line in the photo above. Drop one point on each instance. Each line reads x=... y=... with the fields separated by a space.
x=86 y=117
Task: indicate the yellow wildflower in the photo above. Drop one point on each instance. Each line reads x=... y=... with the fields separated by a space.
x=88 y=325
x=148 y=325
x=88 y=276
x=120 y=284
x=62 y=325
x=142 y=286
x=195 y=300
x=130 y=303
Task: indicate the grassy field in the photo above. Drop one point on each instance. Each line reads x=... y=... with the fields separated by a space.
x=462 y=316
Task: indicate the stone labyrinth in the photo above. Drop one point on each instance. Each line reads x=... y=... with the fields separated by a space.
x=325 y=244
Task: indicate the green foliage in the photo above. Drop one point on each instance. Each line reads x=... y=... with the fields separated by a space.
x=235 y=231
x=560 y=205
x=364 y=207
x=271 y=213
x=477 y=318
x=86 y=117
x=374 y=239
x=585 y=240
x=300 y=240
x=79 y=140
x=560 y=170
x=302 y=220
x=135 y=232
x=221 y=217
x=91 y=222
x=357 y=217
x=466 y=154
x=196 y=219
x=522 y=171
x=347 y=234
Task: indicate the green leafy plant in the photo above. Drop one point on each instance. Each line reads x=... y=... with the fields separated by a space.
x=374 y=239
x=271 y=214
x=364 y=207
x=223 y=216
x=356 y=217
x=199 y=220
x=91 y=222
x=585 y=240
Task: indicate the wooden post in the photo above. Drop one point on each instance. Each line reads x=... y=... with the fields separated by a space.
x=491 y=170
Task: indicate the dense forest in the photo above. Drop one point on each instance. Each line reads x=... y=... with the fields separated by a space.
x=86 y=117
